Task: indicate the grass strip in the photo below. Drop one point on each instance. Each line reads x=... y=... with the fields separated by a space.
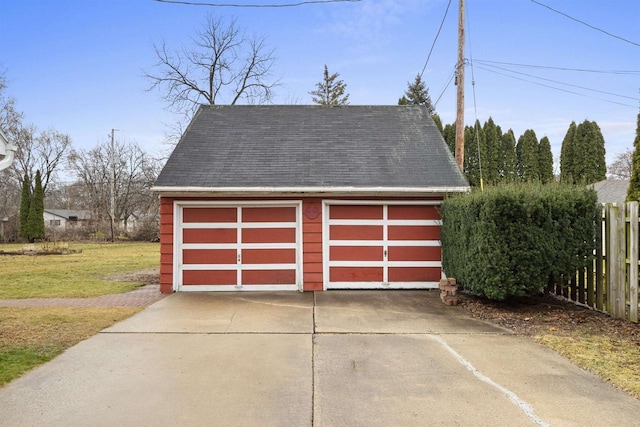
x=32 y=336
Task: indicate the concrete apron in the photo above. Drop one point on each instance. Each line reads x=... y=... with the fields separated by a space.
x=346 y=359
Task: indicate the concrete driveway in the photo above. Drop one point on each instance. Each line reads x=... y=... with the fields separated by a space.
x=337 y=358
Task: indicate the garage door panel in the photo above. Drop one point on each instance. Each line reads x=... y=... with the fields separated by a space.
x=415 y=253
x=356 y=274
x=209 y=215
x=355 y=212
x=269 y=214
x=356 y=232
x=414 y=274
x=238 y=247
x=408 y=232
x=268 y=235
x=382 y=246
x=356 y=253
x=268 y=277
x=398 y=212
x=209 y=235
x=209 y=256
x=269 y=256
x=209 y=277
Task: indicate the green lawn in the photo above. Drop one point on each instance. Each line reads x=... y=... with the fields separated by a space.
x=76 y=275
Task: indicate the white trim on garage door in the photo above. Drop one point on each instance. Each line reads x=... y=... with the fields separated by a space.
x=385 y=248
x=227 y=246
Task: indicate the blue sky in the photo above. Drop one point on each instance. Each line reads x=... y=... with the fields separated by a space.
x=77 y=65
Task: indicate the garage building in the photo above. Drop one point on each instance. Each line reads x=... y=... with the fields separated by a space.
x=305 y=198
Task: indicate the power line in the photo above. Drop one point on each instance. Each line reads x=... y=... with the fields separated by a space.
x=586 y=24
x=563 y=83
x=553 y=87
x=546 y=67
x=436 y=38
x=446 y=86
x=302 y=3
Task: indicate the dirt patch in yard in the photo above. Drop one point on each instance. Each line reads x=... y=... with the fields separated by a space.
x=535 y=315
x=150 y=276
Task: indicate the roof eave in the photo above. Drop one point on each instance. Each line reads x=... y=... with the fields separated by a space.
x=169 y=191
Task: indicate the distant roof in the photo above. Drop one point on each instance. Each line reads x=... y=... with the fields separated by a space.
x=611 y=190
x=306 y=148
x=67 y=213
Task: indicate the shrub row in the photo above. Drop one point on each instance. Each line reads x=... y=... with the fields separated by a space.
x=514 y=240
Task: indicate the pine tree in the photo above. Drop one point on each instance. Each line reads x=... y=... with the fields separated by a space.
x=633 y=193
x=330 y=91
x=417 y=94
x=545 y=158
x=25 y=201
x=510 y=165
x=35 y=221
x=527 y=153
x=473 y=158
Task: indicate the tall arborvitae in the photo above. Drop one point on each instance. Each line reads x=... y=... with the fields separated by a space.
x=527 y=152
x=633 y=194
x=438 y=121
x=36 y=211
x=582 y=158
x=510 y=166
x=545 y=157
x=493 y=155
x=473 y=158
x=567 y=154
x=449 y=135
x=25 y=201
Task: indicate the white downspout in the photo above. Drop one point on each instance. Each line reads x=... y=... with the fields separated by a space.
x=8 y=151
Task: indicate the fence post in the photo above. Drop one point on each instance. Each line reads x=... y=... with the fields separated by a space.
x=599 y=279
x=615 y=261
x=632 y=208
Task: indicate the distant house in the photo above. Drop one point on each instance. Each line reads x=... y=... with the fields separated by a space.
x=305 y=198
x=65 y=219
x=611 y=190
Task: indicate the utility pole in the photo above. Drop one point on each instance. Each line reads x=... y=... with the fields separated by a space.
x=460 y=91
x=113 y=186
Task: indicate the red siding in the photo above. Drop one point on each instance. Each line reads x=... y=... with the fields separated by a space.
x=312 y=244
x=166 y=244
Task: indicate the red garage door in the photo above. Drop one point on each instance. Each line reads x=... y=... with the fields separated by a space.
x=383 y=246
x=238 y=248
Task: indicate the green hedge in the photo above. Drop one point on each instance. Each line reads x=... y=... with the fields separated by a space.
x=514 y=240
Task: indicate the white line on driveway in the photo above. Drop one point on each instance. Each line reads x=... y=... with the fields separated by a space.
x=524 y=406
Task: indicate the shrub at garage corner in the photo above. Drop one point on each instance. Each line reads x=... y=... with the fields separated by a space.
x=514 y=240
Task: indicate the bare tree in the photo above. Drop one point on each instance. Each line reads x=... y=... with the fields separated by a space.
x=222 y=66
x=135 y=174
x=45 y=151
x=622 y=165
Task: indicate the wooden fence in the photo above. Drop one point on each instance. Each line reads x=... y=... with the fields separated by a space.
x=611 y=285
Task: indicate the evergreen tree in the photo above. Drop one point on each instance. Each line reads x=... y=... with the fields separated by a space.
x=633 y=193
x=510 y=165
x=449 y=135
x=545 y=158
x=493 y=155
x=417 y=94
x=582 y=158
x=35 y=221
x=438 y=122
x=527 y=153
x=25 y=201
x=330 y=91
x=472 y=157
x=566 y=155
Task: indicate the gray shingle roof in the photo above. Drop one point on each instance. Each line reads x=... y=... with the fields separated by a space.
x=611 y=190
x=311 y=146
